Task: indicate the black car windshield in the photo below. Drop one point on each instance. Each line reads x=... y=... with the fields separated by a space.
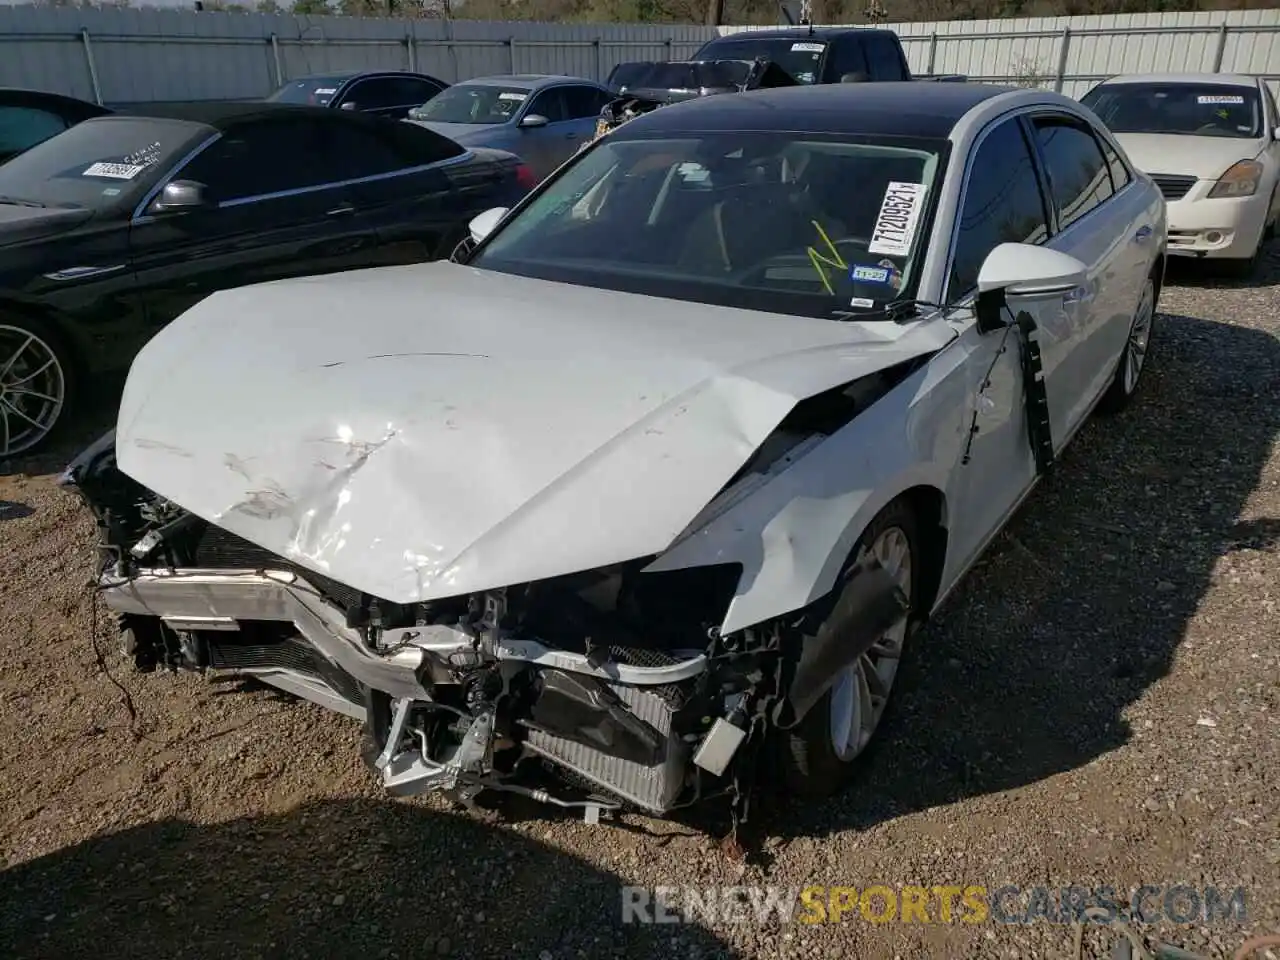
x=799 y=57
x=1195 y=109
x=789 y=223
x=316 y=91
x=98 y=163
x=473 y=103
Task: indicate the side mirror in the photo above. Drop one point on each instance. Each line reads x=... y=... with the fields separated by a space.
x=482 y=224
x=1023 y=270
x=349 y=105
x=534 y=120
x=178 y=196
x=1275 y=133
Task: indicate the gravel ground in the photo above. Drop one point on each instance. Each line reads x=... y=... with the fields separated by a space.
x=1099 y=705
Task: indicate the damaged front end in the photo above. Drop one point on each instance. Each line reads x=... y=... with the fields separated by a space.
x=607 y=689
x=642 y=87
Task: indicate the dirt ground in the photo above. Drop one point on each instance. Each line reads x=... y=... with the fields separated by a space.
x=1099 y=705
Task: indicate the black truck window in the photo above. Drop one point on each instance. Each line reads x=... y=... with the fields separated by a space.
x=846 y=57
x=885 y=57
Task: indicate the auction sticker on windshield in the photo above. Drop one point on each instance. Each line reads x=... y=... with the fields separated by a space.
x=1221 y=98
x=806 y=48
x=114 y=171
x=898 y=219
x=518 y=97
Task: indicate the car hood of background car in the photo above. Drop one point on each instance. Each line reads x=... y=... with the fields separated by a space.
x=1207 y=158
x=425 y=431
x=22 y=224
x=465 y=132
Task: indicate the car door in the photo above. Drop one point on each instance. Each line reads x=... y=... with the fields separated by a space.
x=1272 y=149
x=1002 y=201
x=401 y=188
x=276 y=208
x=582 y=105
x=540 y=147
x=1111 y=236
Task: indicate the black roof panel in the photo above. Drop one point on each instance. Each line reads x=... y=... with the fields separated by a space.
x=222 y=113
x=902 y=109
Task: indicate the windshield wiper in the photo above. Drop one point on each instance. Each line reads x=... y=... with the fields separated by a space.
x=897 y=311
x=19 y=202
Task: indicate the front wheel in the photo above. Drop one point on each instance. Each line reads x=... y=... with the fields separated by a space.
x=821 y=752
x=1133 y=358
x=35 y=383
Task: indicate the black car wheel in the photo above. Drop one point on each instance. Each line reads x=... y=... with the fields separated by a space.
x=35 y=383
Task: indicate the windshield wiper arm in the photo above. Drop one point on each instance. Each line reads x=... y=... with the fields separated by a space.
x=19 y=202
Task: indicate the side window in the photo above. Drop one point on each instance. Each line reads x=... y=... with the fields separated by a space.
x=1002 y=204
x=1078 y=176
x=580 y=102
x=847 y=57
x=372 y=94
x=884 y=58
x=273 y=156
x=411 y=92
x=22 y=127
x=1120 y=177
x=1271 y=101
x=549 y=104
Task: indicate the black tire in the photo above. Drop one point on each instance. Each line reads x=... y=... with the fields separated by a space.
x=27 y=345
x=812 y=767
x=1122 y=389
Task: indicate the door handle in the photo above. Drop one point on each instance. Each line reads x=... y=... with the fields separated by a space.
x=342 y=210
x=1143 y=235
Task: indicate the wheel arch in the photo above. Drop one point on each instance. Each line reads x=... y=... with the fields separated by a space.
x=60 y=328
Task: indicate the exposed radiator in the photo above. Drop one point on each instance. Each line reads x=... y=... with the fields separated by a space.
x=654 y=788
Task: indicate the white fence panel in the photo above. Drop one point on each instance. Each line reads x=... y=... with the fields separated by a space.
x=133 y=55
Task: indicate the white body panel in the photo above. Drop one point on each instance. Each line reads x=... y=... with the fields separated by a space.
x=426 y=431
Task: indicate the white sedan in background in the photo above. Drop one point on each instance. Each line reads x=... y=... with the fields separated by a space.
x=1209 y=140
x=668 y=466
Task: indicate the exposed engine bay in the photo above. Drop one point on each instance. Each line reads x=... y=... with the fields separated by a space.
x=643 y=86
x=607 y=689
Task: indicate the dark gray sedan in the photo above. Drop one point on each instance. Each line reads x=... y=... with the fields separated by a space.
x=542 y=119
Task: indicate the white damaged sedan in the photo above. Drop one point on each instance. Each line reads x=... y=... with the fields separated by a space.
x=654 y=481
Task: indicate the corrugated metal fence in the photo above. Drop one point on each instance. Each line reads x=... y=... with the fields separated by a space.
x=136 y=55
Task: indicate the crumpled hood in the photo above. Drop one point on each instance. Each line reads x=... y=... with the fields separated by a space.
x=1207 y=158
x=424 y=431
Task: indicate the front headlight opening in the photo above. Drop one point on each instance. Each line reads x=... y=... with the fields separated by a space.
x=1241 y=180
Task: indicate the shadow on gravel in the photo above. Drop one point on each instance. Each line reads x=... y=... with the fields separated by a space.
x=1211 y=274
x=1080 y=605
x=14 y=511
x=344 y=879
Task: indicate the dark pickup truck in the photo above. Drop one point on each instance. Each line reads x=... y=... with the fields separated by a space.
x=754 y=59
x=821 y=54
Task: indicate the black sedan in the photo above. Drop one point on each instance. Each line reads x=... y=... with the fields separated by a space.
x=114 y=227
x=388 y=93
x=28 y=117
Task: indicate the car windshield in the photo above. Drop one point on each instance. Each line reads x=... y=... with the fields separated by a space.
x=316 y=91
x=98 y=163
x=1200 y=110
x=785 y=223
x=799 y=58
x=473 y=103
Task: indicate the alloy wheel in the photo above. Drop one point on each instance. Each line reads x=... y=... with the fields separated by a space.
x=859 y=696
x=32 y=389
x=1135 y=353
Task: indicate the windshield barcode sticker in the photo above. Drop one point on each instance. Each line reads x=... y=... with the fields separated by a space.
x=898 y=219
x=114 y=171
x=326 y=91
x=517 y=97
x=806 y=48
x=870 y=274
x=1229 y=99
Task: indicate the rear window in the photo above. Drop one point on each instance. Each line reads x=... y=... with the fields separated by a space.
x=316 y=91
x=1192 y=109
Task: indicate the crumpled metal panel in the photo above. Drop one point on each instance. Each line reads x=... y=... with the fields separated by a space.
x=425 y=431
